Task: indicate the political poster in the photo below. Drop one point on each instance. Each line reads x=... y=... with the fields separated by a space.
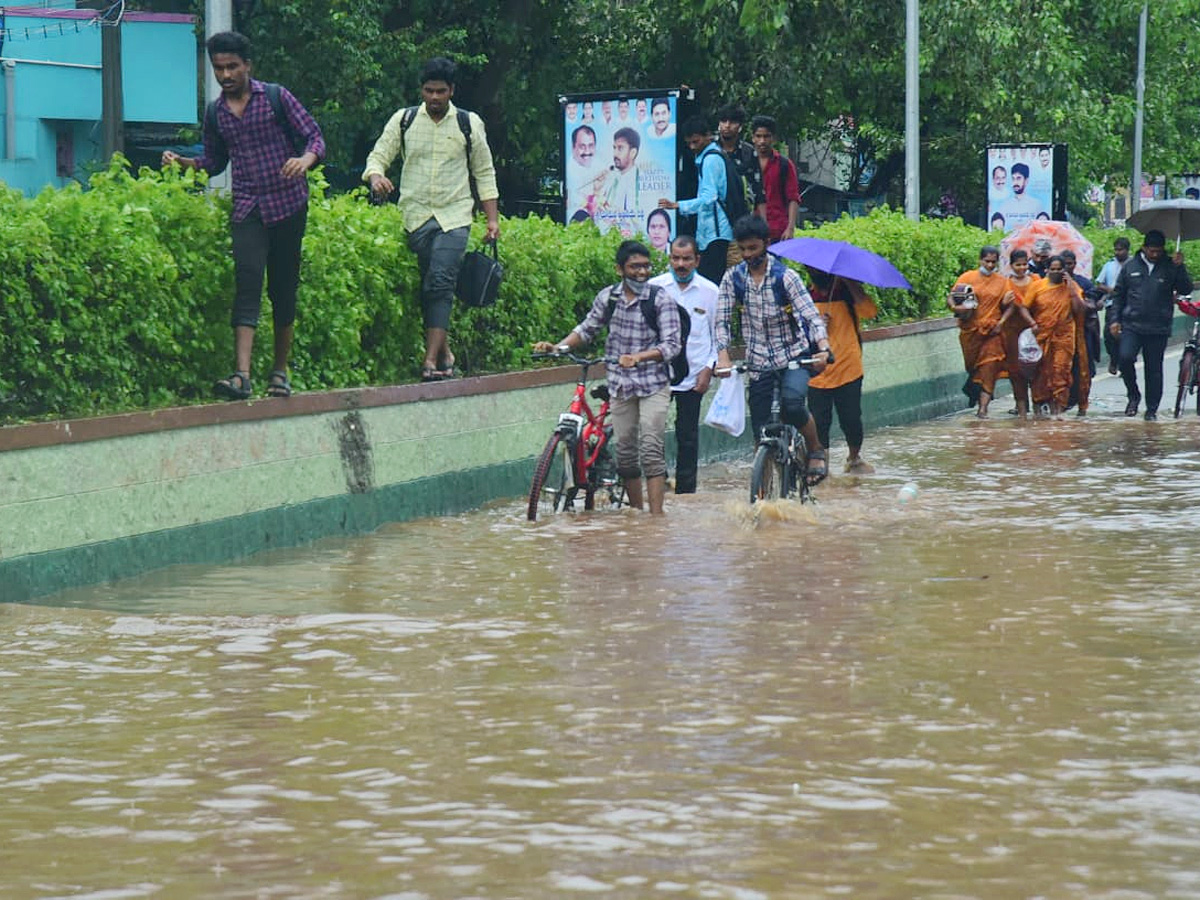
x=1024 y=183
x=621 y=152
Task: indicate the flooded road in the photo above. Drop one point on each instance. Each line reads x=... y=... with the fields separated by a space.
x=987 y=690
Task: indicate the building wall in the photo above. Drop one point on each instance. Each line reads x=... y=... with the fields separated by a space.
x=92 y=500
x=53 y=59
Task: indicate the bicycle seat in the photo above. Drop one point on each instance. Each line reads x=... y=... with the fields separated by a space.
x=600 y=392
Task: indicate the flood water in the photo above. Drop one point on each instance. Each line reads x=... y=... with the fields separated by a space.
x=987 y=691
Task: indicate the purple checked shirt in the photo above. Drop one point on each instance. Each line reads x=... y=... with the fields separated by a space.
x=257 y=147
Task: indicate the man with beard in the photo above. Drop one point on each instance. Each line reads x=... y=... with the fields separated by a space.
x=621 y=191
x=639 y=383
x=1021 y=207
x=244 y=129
x=780 y=324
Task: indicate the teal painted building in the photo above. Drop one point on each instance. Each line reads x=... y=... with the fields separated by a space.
x=50 y=88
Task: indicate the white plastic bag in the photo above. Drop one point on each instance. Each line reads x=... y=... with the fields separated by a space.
x=1029 y=354
x=728 y=409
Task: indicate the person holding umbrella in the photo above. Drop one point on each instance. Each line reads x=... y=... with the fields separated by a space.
x=843 y=304
x=1143 y=305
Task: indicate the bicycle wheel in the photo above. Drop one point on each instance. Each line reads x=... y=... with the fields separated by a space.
x=1187 y=374
x=553 y=488
x=1194 y=381
x=800 y=468
x=604 y=483
x=768 y=480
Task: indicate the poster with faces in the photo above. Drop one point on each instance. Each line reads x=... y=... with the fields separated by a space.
x=620 y=159
x=1020 y=185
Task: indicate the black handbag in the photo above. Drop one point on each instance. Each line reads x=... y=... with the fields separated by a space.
x=479 y=277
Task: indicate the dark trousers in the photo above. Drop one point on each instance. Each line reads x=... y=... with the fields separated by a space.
x=273 y=250
x=1152 y=348
x=439 y=257
x=712 y=261
x=794 y=393
x=687 y=439
x=1111 y=343
x=847 y=400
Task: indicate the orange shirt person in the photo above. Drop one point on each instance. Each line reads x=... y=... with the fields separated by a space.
x=1013 y=321
x=1052 y=303
x=979 y=327
x=842 y=303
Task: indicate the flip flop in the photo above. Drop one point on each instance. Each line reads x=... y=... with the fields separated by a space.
x=429 y=373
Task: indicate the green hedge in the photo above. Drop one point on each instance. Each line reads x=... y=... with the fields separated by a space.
x=117 y=297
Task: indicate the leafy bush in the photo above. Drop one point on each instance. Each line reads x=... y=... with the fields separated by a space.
x=117 y=297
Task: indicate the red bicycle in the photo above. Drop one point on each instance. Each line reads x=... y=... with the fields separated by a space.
x=578 y=456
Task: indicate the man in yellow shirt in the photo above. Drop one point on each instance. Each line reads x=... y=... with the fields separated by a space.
x=842 y=303
x=443 y=149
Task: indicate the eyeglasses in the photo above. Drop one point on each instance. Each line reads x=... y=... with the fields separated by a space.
x=638 y=267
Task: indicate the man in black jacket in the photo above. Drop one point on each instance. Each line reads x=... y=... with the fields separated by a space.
x=1142 y=310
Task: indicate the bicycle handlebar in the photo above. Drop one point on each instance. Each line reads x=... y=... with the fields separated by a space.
x=583 y=360
x=800 y=362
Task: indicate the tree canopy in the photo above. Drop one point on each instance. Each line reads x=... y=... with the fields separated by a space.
x=991 y=71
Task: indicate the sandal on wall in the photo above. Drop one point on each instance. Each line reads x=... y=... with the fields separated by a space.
x=278 y=384
x=235 y=387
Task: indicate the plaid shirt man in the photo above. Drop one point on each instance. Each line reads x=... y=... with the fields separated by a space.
x=258 y=146
x=629 y=332
x=774 y=336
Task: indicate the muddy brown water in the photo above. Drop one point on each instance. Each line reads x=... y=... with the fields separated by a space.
x=987 y=691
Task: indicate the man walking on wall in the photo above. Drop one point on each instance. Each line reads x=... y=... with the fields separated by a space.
x=255 y=128
x=443 y=149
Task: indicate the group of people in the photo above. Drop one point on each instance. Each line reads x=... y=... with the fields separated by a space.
x=1060 y=308
x=734 y=178
x=269 y=140
x=781 y=321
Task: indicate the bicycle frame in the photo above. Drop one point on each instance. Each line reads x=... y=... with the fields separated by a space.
x=584 y=429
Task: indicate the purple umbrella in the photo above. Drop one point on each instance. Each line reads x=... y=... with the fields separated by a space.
x=840 y=258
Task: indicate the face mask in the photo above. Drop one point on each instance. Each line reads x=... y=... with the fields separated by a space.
x=1055 y=277
x=687 y=280
x=986 y=272
x=757 y=262
x=633 y=285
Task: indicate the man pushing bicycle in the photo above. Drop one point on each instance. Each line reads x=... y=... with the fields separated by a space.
x=643 y=334
x=780 y=324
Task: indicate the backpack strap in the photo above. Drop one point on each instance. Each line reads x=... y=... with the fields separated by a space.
x=295 y=140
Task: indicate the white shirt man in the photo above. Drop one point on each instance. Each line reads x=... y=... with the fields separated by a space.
x=697 y=296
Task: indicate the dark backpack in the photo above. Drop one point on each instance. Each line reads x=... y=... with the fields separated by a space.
x=734 y=203
x=738 y=275
x=295 y=140
x=678 y=364
x=464 y=125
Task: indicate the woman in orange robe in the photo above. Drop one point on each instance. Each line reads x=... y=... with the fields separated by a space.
x=1013 y=321
x=979 y=327
x=1052 y=303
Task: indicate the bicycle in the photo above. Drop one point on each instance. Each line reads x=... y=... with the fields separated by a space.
x=577 y=457
x=780 y=468
x=1189 y=362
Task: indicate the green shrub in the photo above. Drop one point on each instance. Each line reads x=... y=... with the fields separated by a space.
x=117 y=297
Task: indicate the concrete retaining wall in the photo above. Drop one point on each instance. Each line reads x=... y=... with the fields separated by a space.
x=92 y=500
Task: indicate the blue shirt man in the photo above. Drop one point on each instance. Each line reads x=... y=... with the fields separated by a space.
x=714 y=231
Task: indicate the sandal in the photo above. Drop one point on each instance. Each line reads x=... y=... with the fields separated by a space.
x=278 y=384
x=235 y=387
x=429 y=373
x=815 y=475
x=447 y=370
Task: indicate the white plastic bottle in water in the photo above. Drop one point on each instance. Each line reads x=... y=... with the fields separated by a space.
x=907 y=493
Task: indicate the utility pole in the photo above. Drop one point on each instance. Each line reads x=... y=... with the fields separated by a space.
x=912 y=118
x=218 y=17
x=1135 y=196
x=112 y=101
